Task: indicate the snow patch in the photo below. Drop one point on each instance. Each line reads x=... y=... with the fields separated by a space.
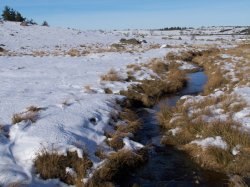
x=131 y=145
x=211 y=141
x=175 y=131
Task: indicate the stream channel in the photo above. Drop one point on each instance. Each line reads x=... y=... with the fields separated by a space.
x=166 y=165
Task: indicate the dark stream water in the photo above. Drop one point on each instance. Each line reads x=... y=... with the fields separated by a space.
x=168 y=166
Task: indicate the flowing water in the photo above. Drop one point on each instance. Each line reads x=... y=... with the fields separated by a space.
x=166 y=165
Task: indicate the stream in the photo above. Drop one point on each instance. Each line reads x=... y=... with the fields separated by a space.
x=166 y=165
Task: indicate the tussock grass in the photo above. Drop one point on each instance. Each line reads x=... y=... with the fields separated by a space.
x=122 y=161
x=135 y=67
x=112 y=75
x=27 y=116
x=131 y=41
x=51 y=165
x=131 y=124
x=176 y=80
x=116 y=166
x=216 y=80
x=230 y=131
x=117 y=141
x=220 y=156
x=39 y=53
x=74 y=52
x=205 y=59
x=186 y=56
x=118 y=47
x=100 y=154
x=237 y=180
x=221 y=160
x=158 y=66
x=34 y=109
x=164 y=115
x=146 y=93
x=108 y=91
x=191 y=117
x=131 y=76
x=193 y=126
x=149 y=91
x=131 y=127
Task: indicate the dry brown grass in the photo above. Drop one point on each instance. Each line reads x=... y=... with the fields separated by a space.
x=130 y=127
x=118 y=47
x=135 y=67
x=176 y=80
x=39 y=53
x=26 y=116
x=100 y=154
x=131 y=76
x=215 y=158
x=117 y=141
x=34 y=108
x=232 y=103
x=130 y=124
x=150 y=91
x=237 y=180
x=186 y=56
x=206 y=59
x=117 y=166
x=164 y=115
x=239 y=56
x=51 y=165
x=108 y=91
x=158 y=66
x=112 y=75
x=74 y=52
x=212 y=158
x=147 y=93
x=216 y=80
x=230 y=132
x=131 y=41
x=194 y=126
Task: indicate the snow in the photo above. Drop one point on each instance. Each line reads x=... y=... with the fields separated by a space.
x=56 y=84
x=164 y=46
x=244 y=92
x=211 y=142
x=175 y=131
x=225 y=56
x=185 y=65
x=70 y=171
x=131 y=145
x=243 y=116
x=236 y=150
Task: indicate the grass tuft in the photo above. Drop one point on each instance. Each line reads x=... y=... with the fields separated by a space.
x=116 y=166
x=112 y=75
x=27 y=116
x=51 y=165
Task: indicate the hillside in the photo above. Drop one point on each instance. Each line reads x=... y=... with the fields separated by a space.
x=53 y=94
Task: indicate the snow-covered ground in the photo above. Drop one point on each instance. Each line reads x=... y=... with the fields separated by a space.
x=56 y=84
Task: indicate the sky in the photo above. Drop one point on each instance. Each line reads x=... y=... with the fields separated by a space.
x=140 y=14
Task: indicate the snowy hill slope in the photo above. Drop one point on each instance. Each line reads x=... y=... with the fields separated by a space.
x=56 y=84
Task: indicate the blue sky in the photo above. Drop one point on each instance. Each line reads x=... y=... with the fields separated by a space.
x=121 y=14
